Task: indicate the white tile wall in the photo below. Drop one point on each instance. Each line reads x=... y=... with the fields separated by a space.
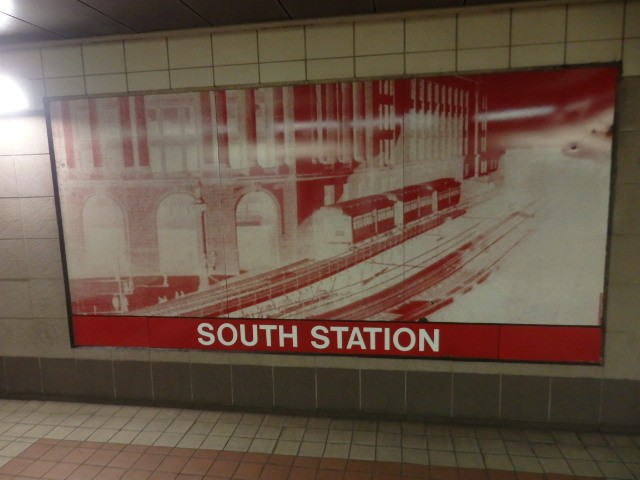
x=329 y=41
x=595 y=21
x=526 y=23
x=38 y=217
x=430 y=34
x=379 y=38
x=43 y=257
x=141 y=81
x=237 y=74
x=33 y=174
x=483 y=58
x=281 y=44
x=11 y=224
x=115 y=83
x=20 y=304
x=64 y=87
x=537 y=55
x=329 y=68
x=35 y=92
x=235 y=48
x=595 y=51
x=8 y=183
x=191 y=77
x=632 y=19
x=190 y=52
x=282 y=72
x=62 y=61
x=105 y=57
x=13 y=259
x=631 y=56
x=23 y=63
x=477 y=30
x=374 y=65
x=431 y=62
x=29 y=135
x=498 y=39
x=48 y=298
x=146 y=55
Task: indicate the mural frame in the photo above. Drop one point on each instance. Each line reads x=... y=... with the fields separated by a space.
x=296 y=135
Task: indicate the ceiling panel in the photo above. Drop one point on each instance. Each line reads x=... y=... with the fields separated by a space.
x=229 y=12
x=404 y=5
x=68 y=18
x=149 y=15
x=13 y=30
x=327 y=8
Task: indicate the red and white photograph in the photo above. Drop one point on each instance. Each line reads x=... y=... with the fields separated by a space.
x=452 y=217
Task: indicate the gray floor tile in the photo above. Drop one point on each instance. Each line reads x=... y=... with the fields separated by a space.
x=339 y=436
x=519 y=448
x=495 y=446
x=603 y=454
x=215 y=442
x=469 y=460
x=615 y=471
x=555 y=465
x=362 y=452
x=384 y=439
x=538 y=436
x=465 y=445
x=336 y=450
x=526 y=464
x=364 y=438
x=311 y=449
x=587 y=468
x=575 y=452
x=498 y=462
x=238 y=444
x=440 y=443
x=292 y=433
x=262 y=445
x=414 y=441
x=315 y=435
x=287 y=447
x=441 y=458
x=415 y=456
x=545 y=450
x=388 y=454
x=269 y=432
x=593 y=439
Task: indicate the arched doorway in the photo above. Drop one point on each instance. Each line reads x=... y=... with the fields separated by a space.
x=257 y=232
x=179 y=229
x=105 y=240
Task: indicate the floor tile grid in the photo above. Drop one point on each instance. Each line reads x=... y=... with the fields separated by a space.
x=72 y=460
x=612 y=456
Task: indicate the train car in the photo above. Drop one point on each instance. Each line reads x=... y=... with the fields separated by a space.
x=356 y=220
x=447 y=193
x=412 y=202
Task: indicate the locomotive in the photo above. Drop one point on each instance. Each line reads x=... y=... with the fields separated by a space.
x=353 y=222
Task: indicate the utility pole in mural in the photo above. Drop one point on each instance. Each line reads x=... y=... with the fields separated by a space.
x=407 y=200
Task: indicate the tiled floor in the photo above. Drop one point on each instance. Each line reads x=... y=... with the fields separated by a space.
x=56 y=441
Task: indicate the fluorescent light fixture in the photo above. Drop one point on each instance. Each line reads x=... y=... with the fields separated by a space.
x=12 y=97
x=517 y=114
x=6 y=11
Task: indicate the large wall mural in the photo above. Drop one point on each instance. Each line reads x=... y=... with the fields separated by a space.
x=446 y=217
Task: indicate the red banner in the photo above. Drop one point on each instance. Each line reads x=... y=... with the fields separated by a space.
x=538 y=343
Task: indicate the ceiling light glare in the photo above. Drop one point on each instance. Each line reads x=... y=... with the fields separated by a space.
x=6 y=11
x=12 y=97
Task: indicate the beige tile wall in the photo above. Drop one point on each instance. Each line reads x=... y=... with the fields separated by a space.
x=32 y=304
